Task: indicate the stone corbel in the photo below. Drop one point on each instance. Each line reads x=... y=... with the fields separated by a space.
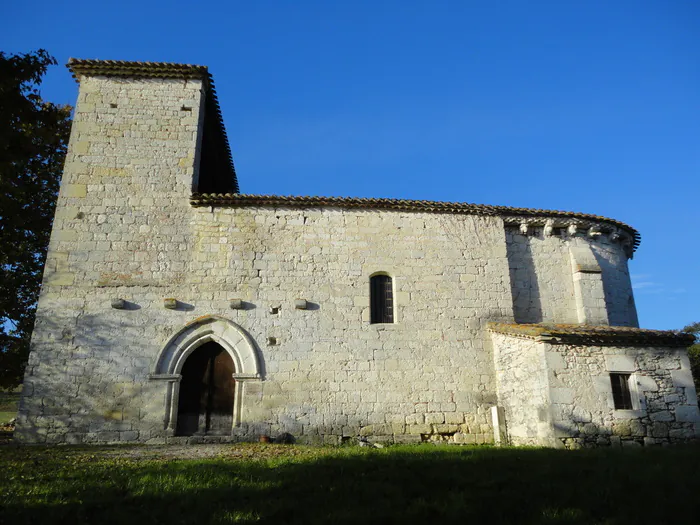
x=548 y=228
x=524 y=228
x=627 y=246
x=572 y=229
x=594 y=231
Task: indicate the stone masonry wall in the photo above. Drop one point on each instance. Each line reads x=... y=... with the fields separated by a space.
x=330 y=372
x=583 y=412
x=617 y=284
x=125 y=230
x=542 y=281
x=122 y=224
x=523 y=390
x=561 y=395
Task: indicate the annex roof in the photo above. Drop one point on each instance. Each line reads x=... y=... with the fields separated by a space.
x=593 y=335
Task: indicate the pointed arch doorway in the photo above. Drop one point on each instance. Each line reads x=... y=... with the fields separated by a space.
x=207 y=391
x=168 y=368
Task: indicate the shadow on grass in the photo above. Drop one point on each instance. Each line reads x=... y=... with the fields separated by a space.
x=407 y=485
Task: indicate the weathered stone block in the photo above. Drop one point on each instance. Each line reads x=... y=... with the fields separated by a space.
x=434 y=417
x=659 y=430
x=74 y=190
x=464 y=439
x=622 y=428
x=620 y=363
x=647 y=383
x=687 y=413
x=129 y=435
x=682 y=378
x=419 y=429
x=662 y=415
x=637 y=428
x=561 y=395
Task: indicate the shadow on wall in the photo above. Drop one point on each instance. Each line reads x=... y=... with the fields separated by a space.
x=83 y=382
x=415 y=485
x=525 y=290
x=634 y=432
x=574 y=434
x=617 y=288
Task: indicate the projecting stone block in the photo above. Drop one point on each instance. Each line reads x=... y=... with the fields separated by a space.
x=118 y=304
x=300 y=304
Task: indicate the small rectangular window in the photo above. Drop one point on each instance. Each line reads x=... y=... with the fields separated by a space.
x=621 y=391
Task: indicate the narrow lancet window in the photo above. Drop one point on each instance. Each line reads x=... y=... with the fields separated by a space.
x=381 y=299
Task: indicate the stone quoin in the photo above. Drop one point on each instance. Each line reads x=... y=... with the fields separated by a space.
x=175 y=308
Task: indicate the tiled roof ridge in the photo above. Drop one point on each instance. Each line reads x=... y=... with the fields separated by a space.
x=513 y=215
x=593 y=334
x=136 y=69
x=129 y=68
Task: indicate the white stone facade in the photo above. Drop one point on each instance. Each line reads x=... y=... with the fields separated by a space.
x=140 y=273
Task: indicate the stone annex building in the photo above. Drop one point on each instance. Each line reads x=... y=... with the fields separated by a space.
x=175 y=308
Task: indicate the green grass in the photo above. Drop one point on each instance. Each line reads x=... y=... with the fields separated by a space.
x=403 y=484
x=8 y=405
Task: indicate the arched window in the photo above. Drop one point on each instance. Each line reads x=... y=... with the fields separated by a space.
x=381 y=302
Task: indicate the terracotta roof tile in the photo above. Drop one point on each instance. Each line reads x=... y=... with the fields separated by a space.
x=80 y=67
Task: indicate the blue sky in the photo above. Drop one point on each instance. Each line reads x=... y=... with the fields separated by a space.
x=587 y=106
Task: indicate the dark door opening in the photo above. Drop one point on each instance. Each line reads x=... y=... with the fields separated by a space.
x=205 y=404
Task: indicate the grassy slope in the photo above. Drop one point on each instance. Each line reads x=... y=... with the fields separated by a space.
x=416 y=484
x=8 y=405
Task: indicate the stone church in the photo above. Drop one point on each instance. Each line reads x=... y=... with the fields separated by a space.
x=175 y=308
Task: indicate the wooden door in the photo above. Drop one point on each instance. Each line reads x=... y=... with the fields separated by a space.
x=207 y=387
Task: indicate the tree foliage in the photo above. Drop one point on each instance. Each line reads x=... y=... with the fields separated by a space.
x=33 y=140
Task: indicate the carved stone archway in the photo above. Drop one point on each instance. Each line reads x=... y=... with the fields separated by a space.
x=211 y=328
